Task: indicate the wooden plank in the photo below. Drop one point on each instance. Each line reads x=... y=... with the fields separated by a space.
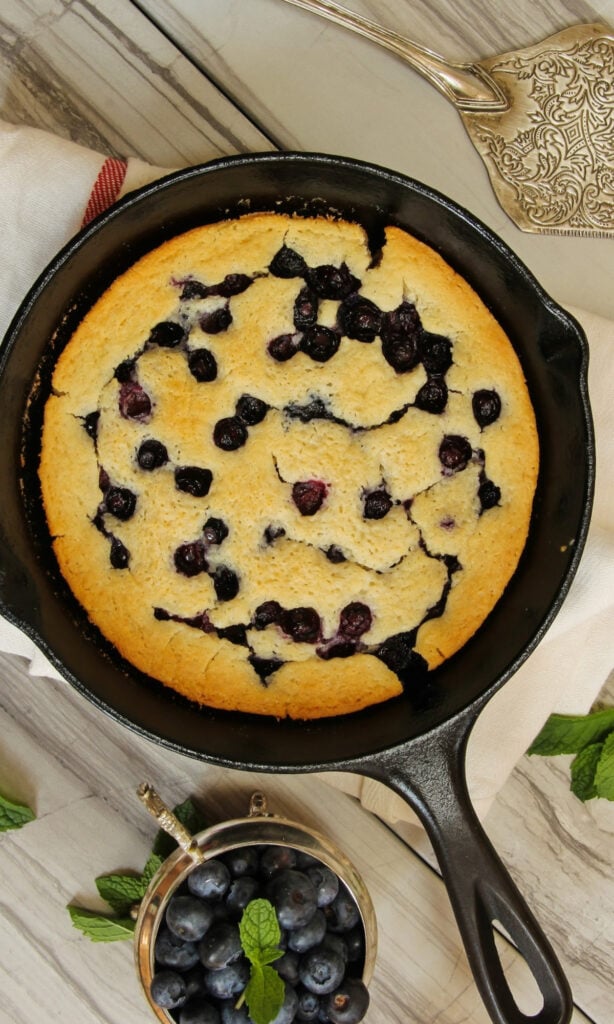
x=80 y=769
x=102 y=75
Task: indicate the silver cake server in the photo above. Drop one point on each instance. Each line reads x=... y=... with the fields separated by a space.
x=542 y=119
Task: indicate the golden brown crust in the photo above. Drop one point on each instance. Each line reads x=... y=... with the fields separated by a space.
x=435 y=544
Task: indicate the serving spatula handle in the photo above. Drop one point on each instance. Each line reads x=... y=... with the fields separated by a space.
x=430 y=776
x=468 y=86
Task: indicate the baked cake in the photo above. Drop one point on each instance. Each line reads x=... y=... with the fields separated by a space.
x=284 y=474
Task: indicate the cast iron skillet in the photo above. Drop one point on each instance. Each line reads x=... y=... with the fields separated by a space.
x=414 y=744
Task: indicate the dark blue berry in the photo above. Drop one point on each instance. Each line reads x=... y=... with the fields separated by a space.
x=337 y=648
x=90 y=423
x=199 y=1011
x=335 y=554
x=275 y=859
x=376 y=504
x=396 y=651
x=287 y=263
x=193 y=289
x=321 y=970
x=287 y=1011
x=436 y=353
x=302 y=624
x=355 y=943
x=234 y=284
x=217 y=320
x=241 y=892
x=489 y=494
x=209 y=880
x=120 y=502
x=229 y=434
x=310 y=935
x=486 y=407
x=119 y=555
x=432 y=396
x=124 y=373
x=287 y=967
x=273 y=533
x=134 y=402
x=319 y=343
x=190 y=558
x=326 y=883
x=215 y=531
x=355 y=619
x=235 y=634
x=342 y=913
x=308 y=1008
x=221 y=946
x=167 y=334
x=194 y=480
x=267 y=614
x=305 y=309
x=308 y=496
x=242 y=861
x=251 y=410
x=283 y=347
x=348 y=1003
x=229 y=981
x=188 y=917
x=293 y=895
x=229 y=1014
x=454 y=452
x=359 y=318
x=330 y=282
x=168 y=990
x=401 y=333
x=202 y=365
x=173 y=952
x=151 y=455
x=226 y=583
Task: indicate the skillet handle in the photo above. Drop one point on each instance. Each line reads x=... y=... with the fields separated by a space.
x=430 y=776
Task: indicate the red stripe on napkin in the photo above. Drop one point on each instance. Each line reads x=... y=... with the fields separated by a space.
x=106 y=188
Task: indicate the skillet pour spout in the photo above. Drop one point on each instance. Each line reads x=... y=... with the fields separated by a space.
x=415 y=748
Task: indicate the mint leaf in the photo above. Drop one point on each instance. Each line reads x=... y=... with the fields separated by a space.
x=121 y=891
x=569 y=734
x=264 y=994
x=14 y=815
x=188 y=815
x=583 y=769
x=604 y=775
x=154 y=861
x=259 y=931
x=101 y=927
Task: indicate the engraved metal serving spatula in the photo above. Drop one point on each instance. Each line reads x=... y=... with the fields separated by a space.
x=542 y=119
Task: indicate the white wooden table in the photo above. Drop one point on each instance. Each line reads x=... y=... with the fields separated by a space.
x=182 y=81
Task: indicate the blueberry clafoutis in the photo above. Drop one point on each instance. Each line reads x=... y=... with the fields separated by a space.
x=285 y=474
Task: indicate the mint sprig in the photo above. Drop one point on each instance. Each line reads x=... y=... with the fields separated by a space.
x=14 y=815
x=591 y=738
x=122 y=890
x=260 y=937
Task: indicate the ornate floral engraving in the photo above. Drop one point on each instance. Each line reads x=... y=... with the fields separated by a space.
x=558 y=159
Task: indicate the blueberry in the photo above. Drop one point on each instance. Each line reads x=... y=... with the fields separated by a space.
x=234 y=284
x=486 y=407
x=194 y=480
x=308 y=1005
x=217 y=320
x=229 y=1014
x=355 y=943
x=202 y=365
x=221 y=946
x=168 y=990
x=241 y=891
x=229 y=981
x=454 y=452
x=120 y=502
x=229 y=434
x=319 y=343
x=190 y=558
x=167 y=334
x=242 y=861
x=396 y=651
x=293 y=895
x=267 y=614
x=342 y=913
x=287 y=1011
x=376 y=504
x=305 y=309
x=198 y=1011
x=125 y=371
x=321 y=970
x=209 y=880
x=329 y=282
x=287 y=967
x=436 y=353
x=193 y=289
x=226 y=583
x=173 y=952
x=326 y=883
x=287 y=263
x=401 y=333
x=90 y=424
x=308 y=496
x=215 y=531
x=335 y=554
x=348 y=1003
x=235 y=634
x=273 y=533
x=337 y=944
x=489 y=494
x=337 y=648
x=355 y=619
x=188 y=917
x=283 y=347
x=195 y=982
x=302 y=624
x=134 y=402
x=432 y=396
x=151 y=455
x=309 y=935
x=119 y=555
x=275 y=859
x=359 y=318
x=251 y=410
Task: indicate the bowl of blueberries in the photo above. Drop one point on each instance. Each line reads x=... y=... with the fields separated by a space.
x=256 y=920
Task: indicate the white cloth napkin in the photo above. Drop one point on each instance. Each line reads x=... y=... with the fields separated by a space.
x=48 y=186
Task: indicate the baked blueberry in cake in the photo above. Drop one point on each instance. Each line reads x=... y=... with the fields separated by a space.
x=283 y=475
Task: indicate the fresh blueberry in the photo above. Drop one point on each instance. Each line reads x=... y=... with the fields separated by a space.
x=454 y=452
x=151 y=455
x=359 y=318
x=348 y=1003
x=355 y=942
x=486 y=407
x=283 y=347
x=321 y=970
x=329 y=282
x=309 y=935
x=241 y=891
x=172 y=952
x=326 y=883
x=436 y=353
x=226 y=583
x=188 y=917
x=308 y=496
x=167 y=334
x=229 y=433
x=229 y=981
x=168 y=990
x=287 y=967
x=302 y=624
x=221 y=946
x=229 y=1014
x=251 y=410
x=209 y=880
x=190 y=558
x=305 y=309
x=242 y=861
x=194 y=480
x=120 y=502
x=319 y=343
x=376 y=504
x=342 y=913
x=287 y=263
x=355 y=619
x=134 y=402
x=432 y=396
x=275 y=859
x=308 y=1005
x=293 y=895
x=202 y=365
x=198 y=1011
x=217 y=320
x=119 y=555
x=401 y=333
x=215 y=531
x=287 y=1011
